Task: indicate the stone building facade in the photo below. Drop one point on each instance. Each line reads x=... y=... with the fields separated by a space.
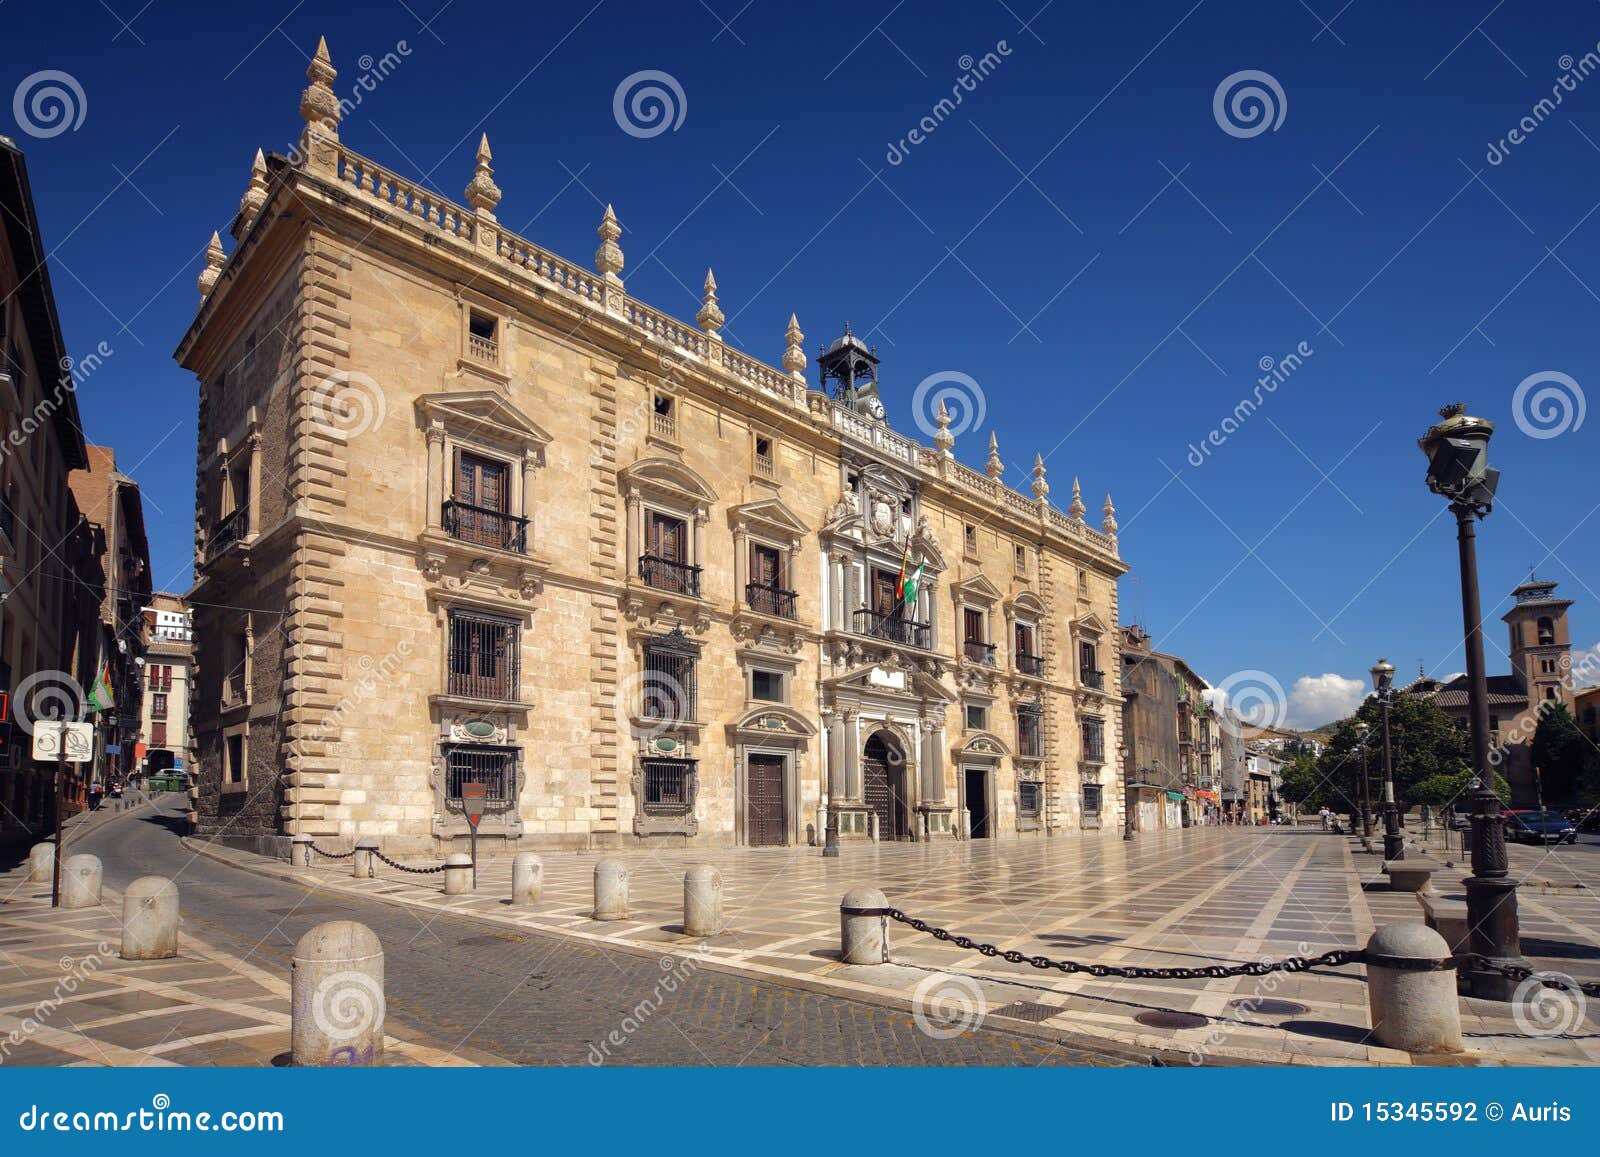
x=168 y=632
x=472 y=521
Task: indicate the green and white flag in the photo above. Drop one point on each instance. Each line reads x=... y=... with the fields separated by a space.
x=100 y=697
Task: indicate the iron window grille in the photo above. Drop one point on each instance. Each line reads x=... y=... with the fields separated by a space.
x=1030 y=798
x=483 y=657
x=1030 y=732
x=670 y=686
x=495 y=767
x=1091 y=799
x=483 y=526
x=1094 y=741
x=669 y=787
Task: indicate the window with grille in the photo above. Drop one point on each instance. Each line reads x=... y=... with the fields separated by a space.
x=669 y=786
x=1094 y=740
x=158 y=705
x=483 y=656
x=669 y=679
x=494 y=767
x=1030 y=732
x=1091 y=799
x=1030 y=798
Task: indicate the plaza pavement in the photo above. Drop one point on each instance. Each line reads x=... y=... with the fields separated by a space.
x=68 y=999
x=1193 y=897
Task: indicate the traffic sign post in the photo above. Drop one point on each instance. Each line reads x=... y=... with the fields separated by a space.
x=62 y=741
x=473 y=797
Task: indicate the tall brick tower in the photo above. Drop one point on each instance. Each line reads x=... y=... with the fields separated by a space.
x=1541 y=658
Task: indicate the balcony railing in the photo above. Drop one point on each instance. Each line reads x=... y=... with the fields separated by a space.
x=892 y=627
x=977 y=652
x=667 y=575
x=483 y=349
x=484 y=527
x=770 y=600
x=1095 y=679
x=1030 y=664
x=228 y=530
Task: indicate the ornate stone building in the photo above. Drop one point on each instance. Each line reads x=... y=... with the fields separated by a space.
x=470 y=519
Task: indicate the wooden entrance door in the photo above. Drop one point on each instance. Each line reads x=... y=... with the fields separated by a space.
x=883 y=788
x=767 y=814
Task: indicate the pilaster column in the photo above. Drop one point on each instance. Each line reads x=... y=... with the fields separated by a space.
x=254 y=519
x=635 y=534
x=852 y=756
x=932 y=762
x=838 y=743
x=435 y=498
x=530 y=466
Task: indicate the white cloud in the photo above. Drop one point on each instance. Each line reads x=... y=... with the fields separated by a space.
x=1319 y=699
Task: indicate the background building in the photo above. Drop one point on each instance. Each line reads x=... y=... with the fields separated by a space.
x=468 y=514
x=169 y=659
x=1169 y=738
x=46 y=557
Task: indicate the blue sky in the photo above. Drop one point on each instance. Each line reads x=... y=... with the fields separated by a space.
x=1081 y=236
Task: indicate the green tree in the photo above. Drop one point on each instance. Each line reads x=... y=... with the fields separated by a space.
x=1300 y=783
x=1424 y=742
x=1568 y=763
x=1446 y=790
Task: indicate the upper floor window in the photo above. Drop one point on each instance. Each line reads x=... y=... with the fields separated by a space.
x=970 y=538
x=767 y=591
x=1026 y=655
x=664 y=418
x=483 y=337
x=1020 y=554
x=484 y=656
x=765 y=465
x=670 y=690
x=158 y=705
x=1089 y=672
x=975 y=645
x=767 y=686
x=977 y=717
x=1030 y=732
x=1094 y=740
x=665 y=564
x=479 y=508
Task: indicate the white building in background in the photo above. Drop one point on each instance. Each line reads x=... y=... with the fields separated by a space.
x=167 y=675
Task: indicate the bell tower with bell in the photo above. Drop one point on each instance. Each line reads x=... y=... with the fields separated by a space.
x=853 y=365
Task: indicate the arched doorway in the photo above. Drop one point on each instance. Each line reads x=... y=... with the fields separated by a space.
x=883 y=778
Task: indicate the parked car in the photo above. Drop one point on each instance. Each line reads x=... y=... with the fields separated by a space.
x=1460 y=821
x=1540 y=827
x=1585 y=819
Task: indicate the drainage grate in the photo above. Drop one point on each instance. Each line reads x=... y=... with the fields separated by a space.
x=1029 y=1010
x=1171 y=1020
x=1269 y=1007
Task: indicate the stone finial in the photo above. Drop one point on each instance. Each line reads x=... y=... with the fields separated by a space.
x=482 y=193
x=1077 y=510
x=215 y=258
x=1109 y=522
x=1041 y=488
x=794 y=357
x=709 y=317
x=255 y=196
x=994 y=467
x=942 y=437
x=319 y=104
x=608 y=258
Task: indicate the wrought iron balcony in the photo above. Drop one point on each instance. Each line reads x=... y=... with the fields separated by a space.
x=667 y=575
x=484 y=527
x=893 y=627
x=1091 y=678
x=1030 y=664
x=977 y=652
x=228 y=530
x=770 y=600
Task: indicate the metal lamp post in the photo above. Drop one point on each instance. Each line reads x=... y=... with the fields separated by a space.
x=1366 y=784
x=1394 y=844
x=1457 y=448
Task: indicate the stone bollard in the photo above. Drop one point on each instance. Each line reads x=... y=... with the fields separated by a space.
x=364 y=863
x=702 y=901
x=336 y=997
x=610 y=890
x=80 y=881
x=457 y=874
x=41 y=863
x=1412 y=1009
x=527 y=878
x=863 y=929
x=150 y=919
x=300 y=854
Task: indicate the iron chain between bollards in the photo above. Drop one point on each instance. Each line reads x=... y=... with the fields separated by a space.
x=405 y=868
x=331 y=855
x=1520 y=973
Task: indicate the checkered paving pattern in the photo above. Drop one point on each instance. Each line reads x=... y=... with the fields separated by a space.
x=1190 y=898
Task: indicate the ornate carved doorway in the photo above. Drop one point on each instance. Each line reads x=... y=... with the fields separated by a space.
x=883 y=779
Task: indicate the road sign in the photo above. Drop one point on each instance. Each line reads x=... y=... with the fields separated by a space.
x=73 y=742
x=473 y=797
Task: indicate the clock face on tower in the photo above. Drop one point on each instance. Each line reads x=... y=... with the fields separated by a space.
x=874 y=408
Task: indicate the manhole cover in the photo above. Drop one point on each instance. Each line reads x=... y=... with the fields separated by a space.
x=1269 y=1007
x=1029 y=1010
x=1171 y=1020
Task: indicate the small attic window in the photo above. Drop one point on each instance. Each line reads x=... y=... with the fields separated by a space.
x=483 y=337
x=764 y=464
x=664 y=422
